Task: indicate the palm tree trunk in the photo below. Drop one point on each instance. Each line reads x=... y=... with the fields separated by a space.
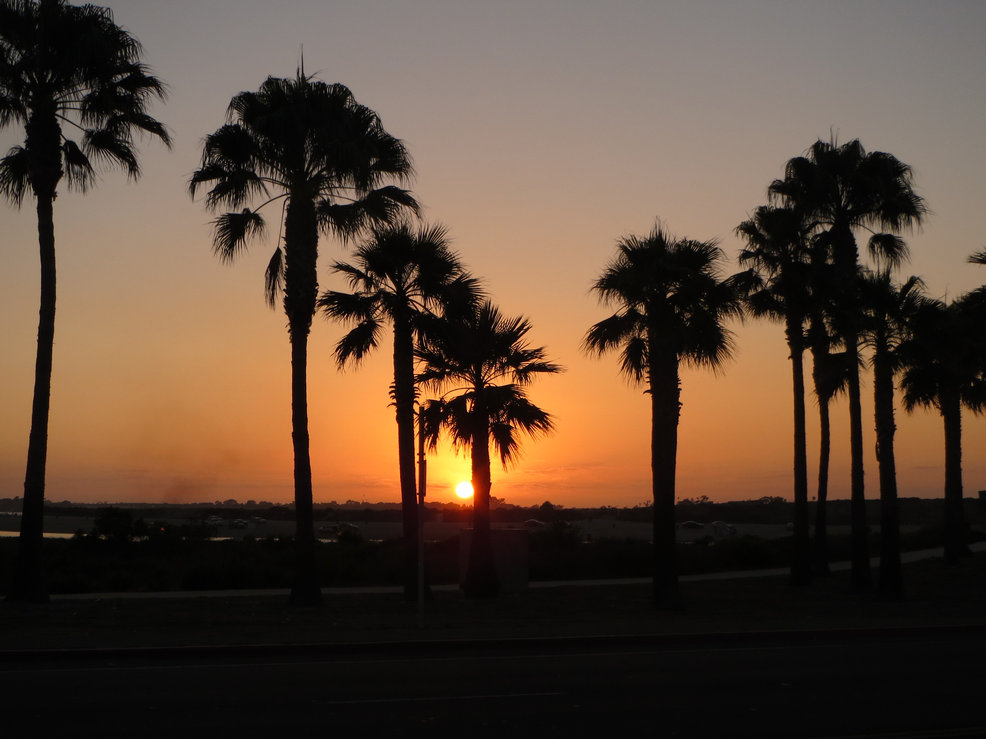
x=820 y=553
x=801 y=556
x=955 y=527
x=847 y=260
x=305 y=590
x=404 y=402
x=890 y=584
x=481 y=580
x=300 y=291
x=29 y=583
x=665 y=393
x=862 y=578
x=821 y=506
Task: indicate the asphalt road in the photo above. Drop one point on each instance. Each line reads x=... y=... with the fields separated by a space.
x=902 y=685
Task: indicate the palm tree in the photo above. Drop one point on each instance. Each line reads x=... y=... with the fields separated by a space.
x=830 y=376
x=842 y=189
x=944 y=362
x=399 y=275
x=74 y=80
x=888 y=310
x=325 y=157
x=672 y=309
x=480 y=362
x=779 y=255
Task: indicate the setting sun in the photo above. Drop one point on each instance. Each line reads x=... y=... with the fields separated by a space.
x=464 y=489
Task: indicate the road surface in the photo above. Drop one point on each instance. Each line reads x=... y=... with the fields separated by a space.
x=903 y=685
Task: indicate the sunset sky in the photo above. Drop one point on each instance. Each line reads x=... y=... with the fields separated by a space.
x=541 y=131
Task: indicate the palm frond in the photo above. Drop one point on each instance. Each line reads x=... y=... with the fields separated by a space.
x=106 y=144
x=609 y=333
x=634 y=359
x=15 y=174
x=274 y=277
x=360 y=341
x=830 y=372
x=231 y=231
x=431 y=417
x=381 y=206
x=78 y=169
x=888 y=248
x=346 y=306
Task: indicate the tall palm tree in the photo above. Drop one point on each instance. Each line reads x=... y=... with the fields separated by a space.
x=672 y=306
x=829 y=373
x=74 y=80
x=399 y=275
x=325 y=157
x=480 y=362
x=888 y=311
x=843 y=189
x=944 y=362
x=779 y=254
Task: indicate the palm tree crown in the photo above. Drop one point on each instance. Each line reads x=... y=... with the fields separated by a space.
x=671 y=300
x=778 y=251
x=400 y=275
x=844 y=187
x=942 y=356
x=312 y=145
x=482 y=365
x=70 y=68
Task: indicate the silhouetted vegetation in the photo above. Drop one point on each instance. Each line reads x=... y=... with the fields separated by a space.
x=781 y=259
x=123 y=552
x=672 y=306
x=334 y=170
x=312 y=146
x=481 y=363
x=405 y=277
x=76 y=83
x=841 y=190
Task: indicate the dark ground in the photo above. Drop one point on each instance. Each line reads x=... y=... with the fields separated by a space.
x=938 y=596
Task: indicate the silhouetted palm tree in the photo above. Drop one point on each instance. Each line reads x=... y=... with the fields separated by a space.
x=74 y=80
x=844 y=188
x=672 y=309
x=830 y=375
x=399 y=275
x=480 y=362
x=944 y=368
x=779 y=254
x=888 y=311
x=326 y=157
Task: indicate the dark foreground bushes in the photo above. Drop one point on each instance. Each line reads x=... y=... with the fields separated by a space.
x=93 y=564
